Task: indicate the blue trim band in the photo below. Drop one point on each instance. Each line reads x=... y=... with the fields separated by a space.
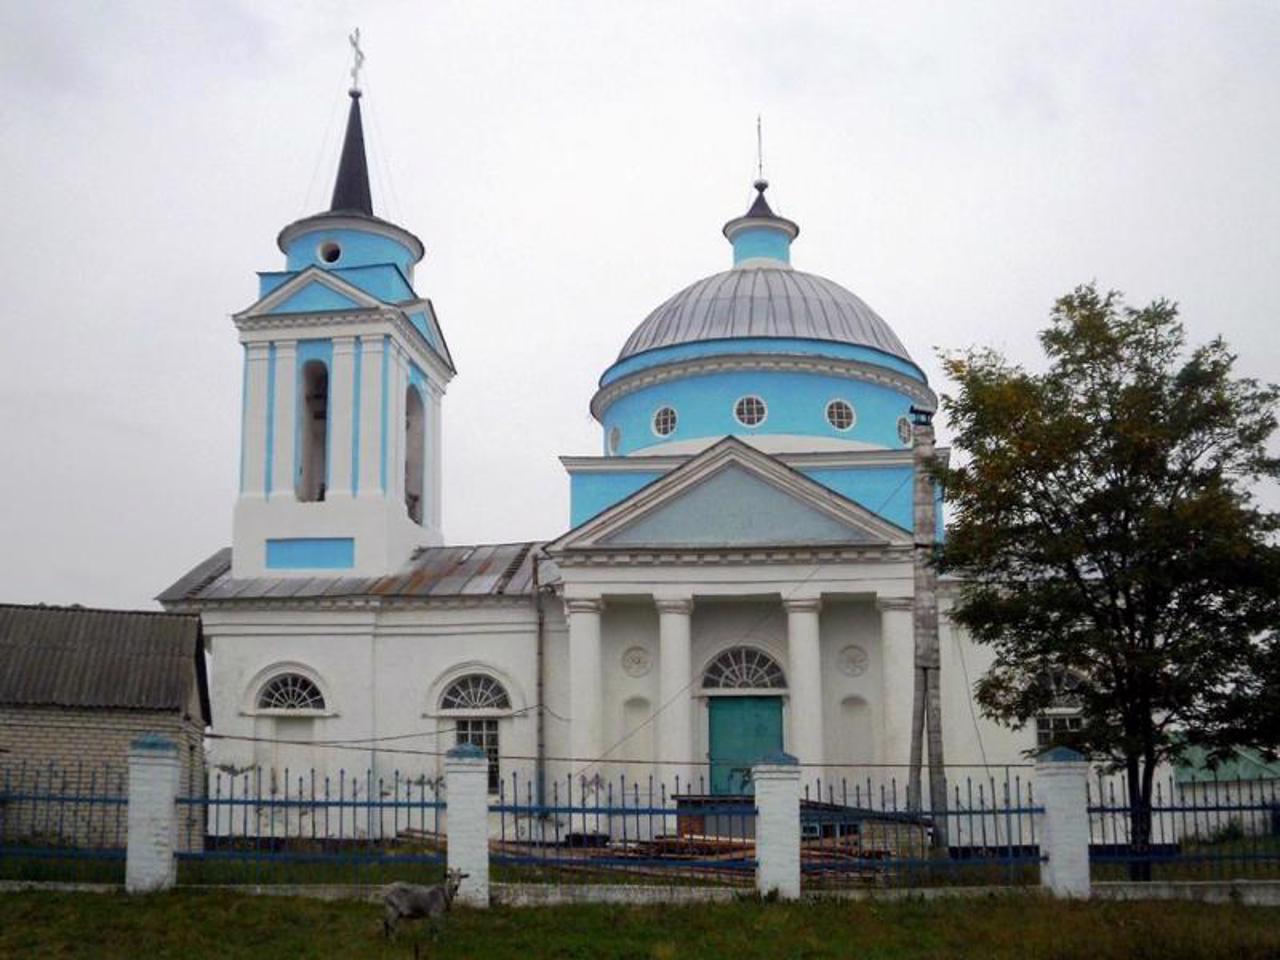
x=311 y=553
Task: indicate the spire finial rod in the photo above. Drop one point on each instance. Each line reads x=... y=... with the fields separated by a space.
x=759 y=149
x=357 y=57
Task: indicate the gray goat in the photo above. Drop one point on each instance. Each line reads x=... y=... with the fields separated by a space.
x=407 y=901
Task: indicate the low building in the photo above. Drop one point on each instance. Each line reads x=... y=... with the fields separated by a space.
x=78 y=685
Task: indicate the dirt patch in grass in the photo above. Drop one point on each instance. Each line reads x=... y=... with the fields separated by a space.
x=228 y=926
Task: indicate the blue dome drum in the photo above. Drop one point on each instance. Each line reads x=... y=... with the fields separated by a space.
x=822 y=369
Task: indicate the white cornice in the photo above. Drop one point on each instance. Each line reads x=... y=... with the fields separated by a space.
x=817 y=459
x=858 y=369
x=733 y=556
x=261 y=326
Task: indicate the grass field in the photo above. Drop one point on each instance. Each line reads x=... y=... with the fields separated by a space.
x=192 y=925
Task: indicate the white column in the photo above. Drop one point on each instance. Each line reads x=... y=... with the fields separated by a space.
x=341 y=425
x=399 y=373
x=435 y=450
x=371 y=349
x=777 y=789
x=466 y=776
x=585 y=716
x=152 y=816
x=253 y=431
x=284 y=420
x=1061 y=775
x=805 y=680
x=675 y=692
x=897 y=665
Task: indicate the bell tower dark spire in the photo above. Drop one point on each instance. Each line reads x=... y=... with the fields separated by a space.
x=351 y=190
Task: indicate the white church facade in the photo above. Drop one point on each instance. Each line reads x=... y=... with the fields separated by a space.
x=739 y=575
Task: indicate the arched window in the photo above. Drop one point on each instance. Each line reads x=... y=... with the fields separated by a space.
x=743 y=668
x=477 y=693
x=290 y=691
x=313 y=432
x=415 y=438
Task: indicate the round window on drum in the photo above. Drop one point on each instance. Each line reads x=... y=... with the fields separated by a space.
x=840 y=414
x=750 y=411
x=664 y=421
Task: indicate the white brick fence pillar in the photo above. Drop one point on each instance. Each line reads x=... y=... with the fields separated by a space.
x=153 y=817
x=777 y=786
x=466 y=776
x=1061 y=776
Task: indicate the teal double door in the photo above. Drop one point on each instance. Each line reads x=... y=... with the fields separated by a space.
x=743 y=731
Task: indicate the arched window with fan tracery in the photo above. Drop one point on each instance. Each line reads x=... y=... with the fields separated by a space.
x=475 y=704
x=743 y=668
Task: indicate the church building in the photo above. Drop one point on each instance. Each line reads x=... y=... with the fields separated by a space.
x=739 y=575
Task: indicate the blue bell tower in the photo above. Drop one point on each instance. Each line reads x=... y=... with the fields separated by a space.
x=345 y=368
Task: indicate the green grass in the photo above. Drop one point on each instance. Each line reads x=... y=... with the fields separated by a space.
x=226 y=926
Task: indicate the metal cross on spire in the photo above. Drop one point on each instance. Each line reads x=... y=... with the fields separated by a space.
x=357 y=59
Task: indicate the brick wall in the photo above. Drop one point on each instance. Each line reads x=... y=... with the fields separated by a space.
x=73 y=754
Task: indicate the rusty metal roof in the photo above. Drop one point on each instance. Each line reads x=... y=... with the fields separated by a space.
x=484 y=570
x=81 y=657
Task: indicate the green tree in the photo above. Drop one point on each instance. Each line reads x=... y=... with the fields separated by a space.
x=1106 y=531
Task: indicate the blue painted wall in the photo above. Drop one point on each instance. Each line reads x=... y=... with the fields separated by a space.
x=384 y=281
x=311 y=553
x=592 y=493
x=885 y=491
x=772 y=345
x=761 y=242
x=796 y=404
x=736 y=507
x=359 y=249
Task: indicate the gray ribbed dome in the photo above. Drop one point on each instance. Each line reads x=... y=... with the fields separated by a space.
x=763 y=302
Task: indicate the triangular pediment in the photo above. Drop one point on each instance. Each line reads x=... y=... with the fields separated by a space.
x=732 y=495
x=313 y=291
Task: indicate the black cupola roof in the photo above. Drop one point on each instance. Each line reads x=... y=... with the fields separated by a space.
x=351 y=190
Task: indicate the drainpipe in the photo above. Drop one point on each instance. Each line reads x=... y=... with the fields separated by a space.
x=540 y=782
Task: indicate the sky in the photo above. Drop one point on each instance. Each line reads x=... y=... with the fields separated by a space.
x=569 y=166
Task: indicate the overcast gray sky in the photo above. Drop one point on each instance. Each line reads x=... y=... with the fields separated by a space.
x=569 y=166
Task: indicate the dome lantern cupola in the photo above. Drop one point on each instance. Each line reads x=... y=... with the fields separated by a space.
x=760 y=237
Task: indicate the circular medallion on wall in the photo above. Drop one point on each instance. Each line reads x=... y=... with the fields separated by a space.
x=636 y=661
x=853 y=661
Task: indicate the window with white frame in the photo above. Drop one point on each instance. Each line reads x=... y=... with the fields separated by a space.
x=475 y=704
x=840 y=414
x=741 y=668
x=750 y=411
x=664 y=421
x=290 y=691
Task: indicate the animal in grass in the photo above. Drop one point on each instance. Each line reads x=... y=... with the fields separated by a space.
x=409 y=901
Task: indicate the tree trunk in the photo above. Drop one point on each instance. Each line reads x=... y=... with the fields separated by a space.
x=1137 y=781
x=918 y=694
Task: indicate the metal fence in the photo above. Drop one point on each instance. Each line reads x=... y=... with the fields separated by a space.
x=263 y=825
x=1200 y=828
x=588 y=830
x=859 y=829
x=61 y=823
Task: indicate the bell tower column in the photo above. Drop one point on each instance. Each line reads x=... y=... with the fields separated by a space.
x=284 y=385
x=341 y=390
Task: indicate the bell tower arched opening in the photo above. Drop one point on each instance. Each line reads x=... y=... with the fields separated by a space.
x=314 y=439
x=415 y=438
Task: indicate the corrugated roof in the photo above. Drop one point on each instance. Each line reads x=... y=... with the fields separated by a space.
x=764 y=302
x=80 y=657
x=483 y=570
